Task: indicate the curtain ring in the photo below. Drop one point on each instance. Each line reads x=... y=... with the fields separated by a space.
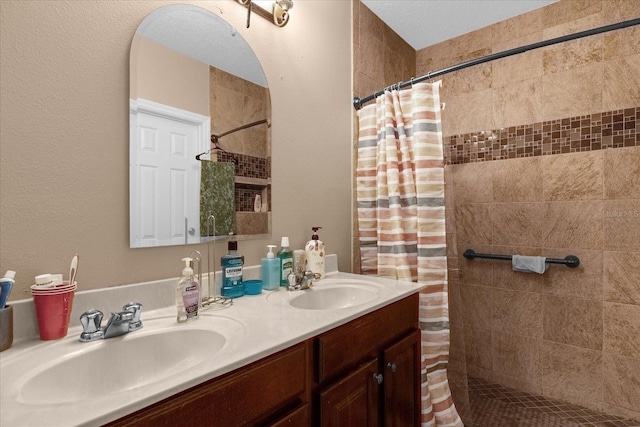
x=411 y=82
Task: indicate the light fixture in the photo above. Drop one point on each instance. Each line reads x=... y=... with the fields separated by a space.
x=276 y=11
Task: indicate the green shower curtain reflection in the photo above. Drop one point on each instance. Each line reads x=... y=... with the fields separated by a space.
x=217 y=198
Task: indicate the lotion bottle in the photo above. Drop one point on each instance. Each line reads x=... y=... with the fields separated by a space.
x=315 y=254
x=286 y=259
x=187 y=294
x=232 y=263
x=270 y=270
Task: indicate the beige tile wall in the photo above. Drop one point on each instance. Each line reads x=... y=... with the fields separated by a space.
x=235 y=102
x=380 y=58
x=585 y=76
x=572 y=334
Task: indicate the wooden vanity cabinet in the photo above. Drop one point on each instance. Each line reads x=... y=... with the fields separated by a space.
x=271 y=391
x=367 y=372
x=401 y=364
x=364 y=373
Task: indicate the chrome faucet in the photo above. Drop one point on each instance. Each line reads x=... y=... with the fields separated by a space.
x=300 y=280
x=120 y=323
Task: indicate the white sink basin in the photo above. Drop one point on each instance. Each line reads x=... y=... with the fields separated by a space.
x=327 y=295
x=137 y=359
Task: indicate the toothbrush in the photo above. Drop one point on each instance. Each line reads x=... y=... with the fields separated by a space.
x=6 y=284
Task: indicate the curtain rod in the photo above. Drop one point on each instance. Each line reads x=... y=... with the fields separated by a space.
x=358 y=103
x=215 y=138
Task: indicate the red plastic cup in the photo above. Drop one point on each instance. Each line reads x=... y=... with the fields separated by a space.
x=53 y=311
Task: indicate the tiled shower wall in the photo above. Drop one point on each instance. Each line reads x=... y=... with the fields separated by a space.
x=380 y=58
x=543 y=158
x=571 y=334
x=235 y=102
x=522 y=178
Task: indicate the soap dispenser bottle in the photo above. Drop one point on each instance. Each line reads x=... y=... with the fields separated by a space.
x=286 y=260
x=315 y=254
x=232 y=286
x=187 y=293
x=270 y=270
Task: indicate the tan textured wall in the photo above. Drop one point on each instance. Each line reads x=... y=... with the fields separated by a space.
x=64 y=127
x=568 y=334
x=169 y=77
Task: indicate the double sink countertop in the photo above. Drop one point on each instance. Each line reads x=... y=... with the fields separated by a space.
x=66 y=382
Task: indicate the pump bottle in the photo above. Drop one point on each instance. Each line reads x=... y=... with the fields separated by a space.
x=315 y=254
x=187 y=294
x=270 y=270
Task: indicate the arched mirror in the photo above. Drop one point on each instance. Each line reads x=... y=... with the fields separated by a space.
x=200 y=139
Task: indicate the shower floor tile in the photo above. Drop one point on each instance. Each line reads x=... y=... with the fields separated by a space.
x=493 y=405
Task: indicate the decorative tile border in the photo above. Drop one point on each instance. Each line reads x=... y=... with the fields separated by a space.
x=248 y=166
x=611 y=129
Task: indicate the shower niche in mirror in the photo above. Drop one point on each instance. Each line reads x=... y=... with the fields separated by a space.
x=200 y=136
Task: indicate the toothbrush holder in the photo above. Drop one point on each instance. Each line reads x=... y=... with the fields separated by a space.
x=6 y=327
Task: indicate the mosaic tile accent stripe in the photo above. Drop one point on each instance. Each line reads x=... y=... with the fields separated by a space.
x=248 y=166
x=611 y=129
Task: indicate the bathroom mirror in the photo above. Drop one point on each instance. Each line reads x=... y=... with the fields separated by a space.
x=196 y=90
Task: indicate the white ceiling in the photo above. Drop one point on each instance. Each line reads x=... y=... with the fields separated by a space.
x=205 y=37
x=423 y=23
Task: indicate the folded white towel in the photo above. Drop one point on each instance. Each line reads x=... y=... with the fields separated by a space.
x=529 y=264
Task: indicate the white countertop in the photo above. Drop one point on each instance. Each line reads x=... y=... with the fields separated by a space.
x=261 y=327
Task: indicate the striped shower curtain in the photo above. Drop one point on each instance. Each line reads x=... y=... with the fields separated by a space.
x=400 y=195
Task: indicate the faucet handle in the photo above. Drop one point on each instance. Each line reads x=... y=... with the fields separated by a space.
x=292 y=282
x=136 y=309
x=90 y=321
x=297 y=281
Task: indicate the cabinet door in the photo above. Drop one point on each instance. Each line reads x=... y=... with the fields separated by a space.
x=402 y=382
x=296 y=418
x=352 y=400
x=345 y=347
x=251 y=395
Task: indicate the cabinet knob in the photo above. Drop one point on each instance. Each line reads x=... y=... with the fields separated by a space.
x=392 y=366
x=378 y=378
